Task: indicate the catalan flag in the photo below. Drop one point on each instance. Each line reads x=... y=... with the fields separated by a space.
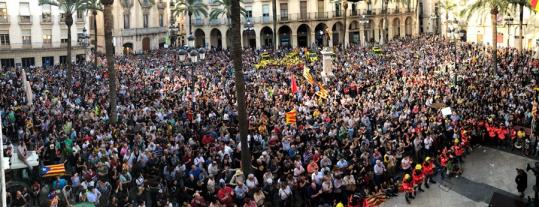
x=307 y=75
x=534 y=5
x=53 y=170
x=322 y=92
x=290 y=117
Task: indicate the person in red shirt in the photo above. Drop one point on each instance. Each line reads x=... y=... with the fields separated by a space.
x=226 y=196
x=458 y=150
x=408 y=187
x=418 y=177
x=428 y=169
x=443 y=163
x=501 y=132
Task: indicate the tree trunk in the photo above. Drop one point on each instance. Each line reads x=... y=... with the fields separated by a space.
x=69 y=23
x=345 y=27
x=107 y=16
x=274 y=5
x=493 y=15
x=190 y=23
x=95 y=39
x=446 y=21
x=240 y=86
x=520 y=23
x=386 y=25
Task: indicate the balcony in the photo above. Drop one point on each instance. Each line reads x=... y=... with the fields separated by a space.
x=161 y=5
x=27 y=19
x=49 y=45
x=284 y=18
x=321 y=15
x=265 y=20
x=338 y=14
x=198 y=22
x=143 y=31
x=4 y=20
x=45 y=19
x=354 y=13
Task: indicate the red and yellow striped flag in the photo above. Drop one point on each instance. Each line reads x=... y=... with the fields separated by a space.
x=53 y=170
x=322 y=93
x=307 y=75
x=290 y=117
x=534 y=5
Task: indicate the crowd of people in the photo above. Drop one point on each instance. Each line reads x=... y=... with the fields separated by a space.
x=378 y=132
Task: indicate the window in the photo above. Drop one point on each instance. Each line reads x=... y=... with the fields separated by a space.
x=126 y=21
x=26 y=37
x=249 y=13
x=284 y=11
x=145 y=20
x=92 y=22
x=80 y=16
x=4 y=38
x=265 y=13
x=320 y=6
x=47 y=36
x=28 y=61
x=3 y=12
x=337 y=9
x=24 y=9
x=354 y=9
x=303 y=9
x=63 y=37
x=161 y=20
x=46 y=13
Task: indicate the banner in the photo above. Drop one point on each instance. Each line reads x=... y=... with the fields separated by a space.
x=294 y=84
x=307 y=75
x=53 y=170
x=534 y=5
x=290 y=117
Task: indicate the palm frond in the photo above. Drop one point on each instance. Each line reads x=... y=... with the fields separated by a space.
x=49 y=2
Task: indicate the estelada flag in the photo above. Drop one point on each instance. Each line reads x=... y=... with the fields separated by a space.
x=322 y=92
x=290 y=117
x=294 y=84
x=53 y=170
x=307 y=75
x=534 y=5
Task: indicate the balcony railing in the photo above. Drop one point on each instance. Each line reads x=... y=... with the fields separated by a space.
x=161 y=5
x=35 y=45
x=338 y=14
x=143 y=31
x=321 y=15
x=198 y=22
x=25 y=19
x=284 y=18
x=4 y=19
x=45 y=19
x=265 y=20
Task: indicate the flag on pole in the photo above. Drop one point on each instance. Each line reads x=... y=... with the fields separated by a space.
x=534 y=5
x=322 y=92
x=294 y=84
x=53 y=170
x=307 y=75
x=290 y=117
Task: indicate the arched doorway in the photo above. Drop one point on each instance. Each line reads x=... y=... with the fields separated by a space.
x=303 y=35
x=284 y=37
x=146 y=44
x=128 y=48
x=228 y=39
x=249 y=38
x=353 y=32
x=320 y=34
x=200 y=39
x=338 y=33
x=381 y=28
x=215 y=39
x=396 y=28
x=408 y=26
x=266 y=37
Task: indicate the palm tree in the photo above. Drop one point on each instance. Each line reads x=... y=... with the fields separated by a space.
x=240 y=85
x=190 y=7
x=109 y=50
x=521 y=4
x=94 y=6
x=274 y=11
x=494 y=7
x=447 y=6
x=69 y=7
x=224 y=8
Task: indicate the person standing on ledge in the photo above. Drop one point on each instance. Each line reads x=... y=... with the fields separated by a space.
x=522 y=182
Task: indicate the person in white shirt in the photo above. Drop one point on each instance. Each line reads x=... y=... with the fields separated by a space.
x=251 y=182
x=284 y=193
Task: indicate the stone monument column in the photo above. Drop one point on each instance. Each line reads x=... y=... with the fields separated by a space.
x=327 y=64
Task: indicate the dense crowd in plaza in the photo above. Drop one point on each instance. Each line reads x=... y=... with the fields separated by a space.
x=379 y=132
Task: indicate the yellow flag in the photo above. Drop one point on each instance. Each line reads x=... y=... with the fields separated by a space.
x=322 y=93
x=307 y=75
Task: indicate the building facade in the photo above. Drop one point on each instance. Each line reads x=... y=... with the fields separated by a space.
x=36 y=35
x=299 y=23
x=478 y=28
x=138 y=26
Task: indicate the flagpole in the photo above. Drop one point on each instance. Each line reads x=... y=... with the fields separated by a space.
x=2 y=172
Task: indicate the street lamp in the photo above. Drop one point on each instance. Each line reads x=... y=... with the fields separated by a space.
x=85 y=37
x=191 y=41
x=508 y=22
x=173 y=34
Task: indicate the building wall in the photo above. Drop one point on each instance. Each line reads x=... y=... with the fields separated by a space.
x=203 y=26
x=136 y=32
x=12 y=25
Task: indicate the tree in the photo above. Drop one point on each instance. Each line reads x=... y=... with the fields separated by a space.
x=240 y=85
x=521 y=5
x=109 y=51
x=447 y=6
x=190 y=7
x=224 y=8
x=494 y=7
x=274 y=11
x=94 y=6
x=69 y=7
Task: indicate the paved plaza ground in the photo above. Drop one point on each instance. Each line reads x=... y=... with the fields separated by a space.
x=486 y=170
